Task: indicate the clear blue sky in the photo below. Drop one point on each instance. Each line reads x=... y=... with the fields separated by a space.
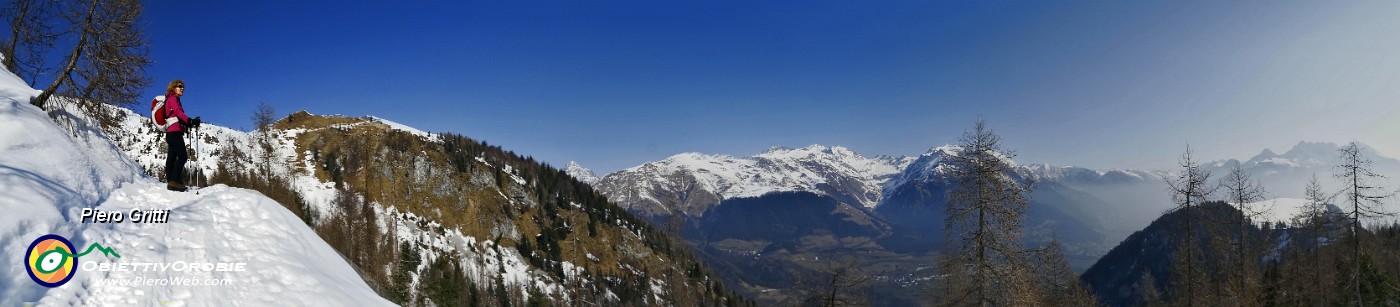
x=1105 y=84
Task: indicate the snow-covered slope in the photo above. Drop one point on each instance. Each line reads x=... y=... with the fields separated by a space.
x=1274 y=210
x=481 y=259
x=49 y=172
x=285 y=262
x=1284 y=210
x=933 y=163
x=1075 y=174
x=699 y=181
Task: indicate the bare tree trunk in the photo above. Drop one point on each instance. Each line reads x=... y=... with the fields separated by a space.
x=1366 y=199
x=1356 y=230
x=1243 y=190
x=1058 y=283
x=21 y=11
x=72 y=63
x=840 y=278
x=1188 y=190
x=1315 y=217
x=108 y=61
x=30 y=33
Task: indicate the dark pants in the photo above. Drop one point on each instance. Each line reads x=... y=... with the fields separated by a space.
x=175 y=157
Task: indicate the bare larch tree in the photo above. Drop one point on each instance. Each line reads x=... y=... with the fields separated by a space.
x=1059 y=284
x=838 y=284
x=1189 y=191
x=1365 y=194
x=264 y=115
x=1314 y=219
x=1243 y=190
x=986 y=204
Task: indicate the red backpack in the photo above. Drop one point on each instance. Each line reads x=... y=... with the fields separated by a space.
x=158 y=117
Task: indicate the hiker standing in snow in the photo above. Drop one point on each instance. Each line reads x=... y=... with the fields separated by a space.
x=175 y=136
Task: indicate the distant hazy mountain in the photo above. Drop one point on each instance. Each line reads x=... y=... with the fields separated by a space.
x=1285 y=175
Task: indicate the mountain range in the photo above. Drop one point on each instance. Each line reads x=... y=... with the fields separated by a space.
x=691 y=183
x=760 y=220
x=782 y=205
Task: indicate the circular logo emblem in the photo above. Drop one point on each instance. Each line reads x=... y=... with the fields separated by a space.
x=49 y=260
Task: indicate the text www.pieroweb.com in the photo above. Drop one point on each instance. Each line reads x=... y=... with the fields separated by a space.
x=166 y=281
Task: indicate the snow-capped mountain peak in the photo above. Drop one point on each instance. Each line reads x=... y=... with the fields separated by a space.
x=581 y=173
x=700 y=181
x=1316 y=155
x=1267 y=153
x=945 y=150
x=932 y=163
x=1302 y=154
x=1305 y=149
x=935 y=162
x=781 y=152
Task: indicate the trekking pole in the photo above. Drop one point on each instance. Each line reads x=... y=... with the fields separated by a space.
x=196 y=160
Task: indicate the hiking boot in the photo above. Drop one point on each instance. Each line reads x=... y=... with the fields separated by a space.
x=175 y=186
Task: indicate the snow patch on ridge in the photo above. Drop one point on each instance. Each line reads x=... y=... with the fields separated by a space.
x=1275 y=210
x=405 y=128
